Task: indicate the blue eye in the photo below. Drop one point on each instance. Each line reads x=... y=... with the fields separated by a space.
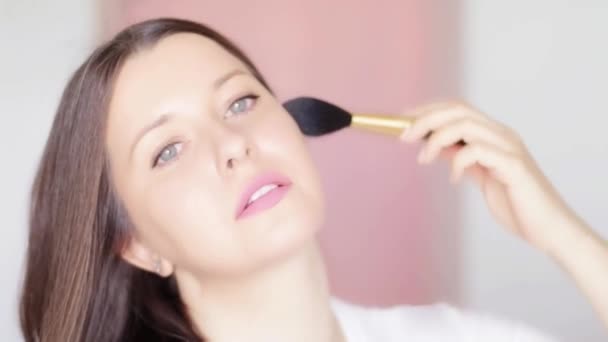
x=243 y=104
x=167 y=155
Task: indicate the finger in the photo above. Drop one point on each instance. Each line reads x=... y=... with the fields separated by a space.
x=435 y=118
x=477 y=172
x=450 y=151
x=469 y=130
x=421 y=111
x=418 y=112
x=504 y=166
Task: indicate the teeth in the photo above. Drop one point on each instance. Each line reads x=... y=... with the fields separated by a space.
x=261 y=192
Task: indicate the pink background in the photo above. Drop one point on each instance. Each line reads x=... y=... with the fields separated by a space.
x=392 y=232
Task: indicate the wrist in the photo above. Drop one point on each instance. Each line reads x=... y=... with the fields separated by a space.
x=572 y=235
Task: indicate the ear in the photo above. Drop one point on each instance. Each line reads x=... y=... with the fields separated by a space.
x=140 y=256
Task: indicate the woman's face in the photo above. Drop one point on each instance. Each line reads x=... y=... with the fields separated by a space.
x=192 y=135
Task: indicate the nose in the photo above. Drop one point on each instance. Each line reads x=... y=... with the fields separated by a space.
x=234 y=150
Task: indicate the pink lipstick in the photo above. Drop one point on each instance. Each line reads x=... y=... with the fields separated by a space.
x=264 y=192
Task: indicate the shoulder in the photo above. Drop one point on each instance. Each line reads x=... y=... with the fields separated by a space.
x=429 y=323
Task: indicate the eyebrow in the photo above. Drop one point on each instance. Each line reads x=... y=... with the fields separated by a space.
x=220 y=81
x=164 y=118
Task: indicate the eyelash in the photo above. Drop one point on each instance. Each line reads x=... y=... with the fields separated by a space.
x=250 y=96
x=155 y=162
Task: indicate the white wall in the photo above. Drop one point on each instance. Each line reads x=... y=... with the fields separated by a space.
x=41 y=43
x=542 y=68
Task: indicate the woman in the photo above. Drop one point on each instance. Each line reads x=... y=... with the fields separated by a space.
x=176 y=201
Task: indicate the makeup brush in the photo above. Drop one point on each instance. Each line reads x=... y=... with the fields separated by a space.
x=316 y=117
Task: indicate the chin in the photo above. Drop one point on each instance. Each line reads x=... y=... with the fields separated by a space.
x=289 y=237
x=289 y=228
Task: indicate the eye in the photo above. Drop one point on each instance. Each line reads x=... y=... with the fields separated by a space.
x=242 y=105
x=167 y=154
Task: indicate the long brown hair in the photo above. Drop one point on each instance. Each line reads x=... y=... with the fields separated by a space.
x=77 y=288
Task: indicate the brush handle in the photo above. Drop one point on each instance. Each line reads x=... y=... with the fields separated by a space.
x=385 y=124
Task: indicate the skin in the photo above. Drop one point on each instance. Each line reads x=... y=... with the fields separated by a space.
x=249 y=272
x=241 y=279
x=517 y=193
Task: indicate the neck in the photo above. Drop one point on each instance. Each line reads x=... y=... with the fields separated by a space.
x=289 y=301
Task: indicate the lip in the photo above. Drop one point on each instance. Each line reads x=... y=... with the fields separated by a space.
x=268 y=200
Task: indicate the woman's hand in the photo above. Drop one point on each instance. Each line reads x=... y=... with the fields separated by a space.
x=516 y=191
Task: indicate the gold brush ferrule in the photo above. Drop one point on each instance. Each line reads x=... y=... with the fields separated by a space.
x=385 y=124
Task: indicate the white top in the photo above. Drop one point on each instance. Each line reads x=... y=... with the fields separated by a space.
x=430 y=323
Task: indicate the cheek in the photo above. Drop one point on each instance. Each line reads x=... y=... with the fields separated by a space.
x=189 y=222
x=279 y=136
x=291 y=144
x=282 y=144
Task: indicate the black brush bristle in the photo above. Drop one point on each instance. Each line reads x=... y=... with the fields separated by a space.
x=317 y=117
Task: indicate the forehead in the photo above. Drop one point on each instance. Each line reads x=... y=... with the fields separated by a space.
x=178 y=63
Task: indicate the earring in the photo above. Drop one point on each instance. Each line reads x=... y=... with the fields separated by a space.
x=157 y=265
